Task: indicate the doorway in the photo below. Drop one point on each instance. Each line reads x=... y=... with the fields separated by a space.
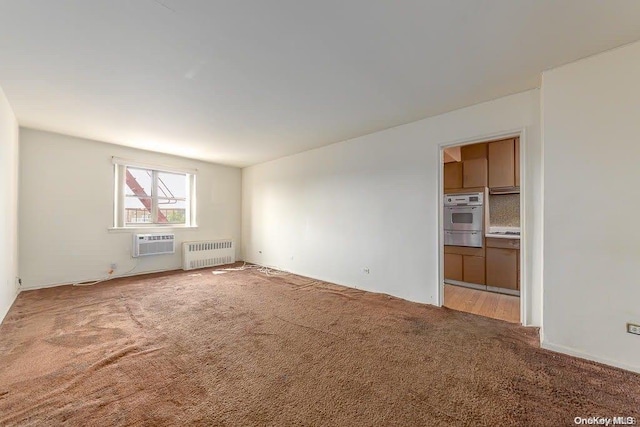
x=481 y=221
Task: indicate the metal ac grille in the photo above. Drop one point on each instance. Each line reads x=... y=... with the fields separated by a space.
x=151 y=248
x=153 y=244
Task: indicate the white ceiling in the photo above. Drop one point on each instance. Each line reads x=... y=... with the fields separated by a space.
x=242 y=82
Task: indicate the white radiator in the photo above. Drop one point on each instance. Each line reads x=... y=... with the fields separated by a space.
x=207 y=254
x=153 y=244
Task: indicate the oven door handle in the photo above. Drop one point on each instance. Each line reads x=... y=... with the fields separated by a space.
x=462 y=207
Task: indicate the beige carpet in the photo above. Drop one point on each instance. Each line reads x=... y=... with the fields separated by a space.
x=243 y=348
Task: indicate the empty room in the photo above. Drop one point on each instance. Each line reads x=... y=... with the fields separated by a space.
x=322 y=213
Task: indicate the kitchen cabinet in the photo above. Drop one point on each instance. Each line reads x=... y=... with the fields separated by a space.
x=517 y=161
x=473 y=269
x=502 y=263
x=453 y=266
x=502 y=167
x=473 y=151
x=464 y=264
x=453 y=175
x=474 y=173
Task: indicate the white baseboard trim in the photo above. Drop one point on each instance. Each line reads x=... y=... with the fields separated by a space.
x=3 y=315
x=577 y=353
x=54 y=285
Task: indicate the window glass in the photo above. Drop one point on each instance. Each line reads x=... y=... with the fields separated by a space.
x=138 y=182
x=155 y=197
x=462 y=218
x=172 y=185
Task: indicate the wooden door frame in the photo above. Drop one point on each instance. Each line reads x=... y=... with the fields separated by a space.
x=524 y=188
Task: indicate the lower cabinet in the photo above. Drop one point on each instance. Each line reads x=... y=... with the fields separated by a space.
x=473 y=269
x=453 y=266
x=502 y=268
x=496 y=265
x=464 y=268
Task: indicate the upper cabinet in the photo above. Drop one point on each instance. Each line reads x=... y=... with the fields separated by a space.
x=452 y=175
x=474 y=173
x=473 y=151
x=504 y=167
x=494 y=164
x=474 y=165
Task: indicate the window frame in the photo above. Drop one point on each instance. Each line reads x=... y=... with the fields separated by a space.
x=119 y=211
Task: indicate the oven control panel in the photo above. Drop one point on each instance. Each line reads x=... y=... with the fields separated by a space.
x=468 y=199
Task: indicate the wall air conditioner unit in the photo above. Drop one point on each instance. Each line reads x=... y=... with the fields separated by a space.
x=208 y=253
x=153 y=244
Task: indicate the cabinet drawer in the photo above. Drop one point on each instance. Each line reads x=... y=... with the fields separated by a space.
x=494 y=242
x=464 y=250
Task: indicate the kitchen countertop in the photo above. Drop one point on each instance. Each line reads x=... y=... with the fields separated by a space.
x=503 y=236
x=501 y=233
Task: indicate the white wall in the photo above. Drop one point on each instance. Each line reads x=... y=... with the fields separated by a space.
x=66 y=208
x=591 y=116
x=8 y=205
x=373 y=202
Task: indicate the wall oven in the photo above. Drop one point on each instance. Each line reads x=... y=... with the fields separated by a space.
x=464 y=219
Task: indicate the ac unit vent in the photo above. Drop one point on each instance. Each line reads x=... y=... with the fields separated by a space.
x=153 y=244
x=207 y=254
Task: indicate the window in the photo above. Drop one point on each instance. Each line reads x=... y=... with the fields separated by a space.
x=153 y=196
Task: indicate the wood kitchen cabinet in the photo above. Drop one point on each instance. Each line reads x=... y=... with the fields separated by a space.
x=502 y=166
x=453 y=266
x=502 y=268
x=517 y=161
x=473 y=151
x=464 y=264
x=473 y=269
x=452 y=175
x=474 y=173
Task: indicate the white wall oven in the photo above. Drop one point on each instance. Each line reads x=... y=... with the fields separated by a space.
x=464 y=219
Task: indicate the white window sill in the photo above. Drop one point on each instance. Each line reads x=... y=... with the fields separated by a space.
x=151 y=228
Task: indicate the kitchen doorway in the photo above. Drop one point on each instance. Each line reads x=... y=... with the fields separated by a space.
x=481 y=220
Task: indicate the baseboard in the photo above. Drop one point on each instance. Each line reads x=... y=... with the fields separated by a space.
x=577 y=353
x=54 y=285
x=3 y=315
x=337 y=282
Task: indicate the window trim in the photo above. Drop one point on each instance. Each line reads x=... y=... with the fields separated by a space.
x=120 y=166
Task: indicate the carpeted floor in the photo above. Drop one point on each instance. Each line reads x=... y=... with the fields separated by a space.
x=242 y=348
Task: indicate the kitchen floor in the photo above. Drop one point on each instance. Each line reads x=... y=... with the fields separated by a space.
x=483 y=303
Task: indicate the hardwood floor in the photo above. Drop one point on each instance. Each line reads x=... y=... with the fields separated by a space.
x=483 y=303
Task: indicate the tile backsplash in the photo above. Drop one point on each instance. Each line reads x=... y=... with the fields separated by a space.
x=504 y=210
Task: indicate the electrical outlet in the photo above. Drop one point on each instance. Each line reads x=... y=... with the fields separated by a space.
x=114 y=266
x=366 y=270
x=633 y=329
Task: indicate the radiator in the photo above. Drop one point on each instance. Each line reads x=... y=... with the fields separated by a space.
x=207 y=254
x=153 y=244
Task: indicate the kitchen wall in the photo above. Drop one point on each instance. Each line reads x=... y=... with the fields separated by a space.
x=504 y=210
x=8 y=205
x=372 y=203
x=66 y=209
x=591 y=116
